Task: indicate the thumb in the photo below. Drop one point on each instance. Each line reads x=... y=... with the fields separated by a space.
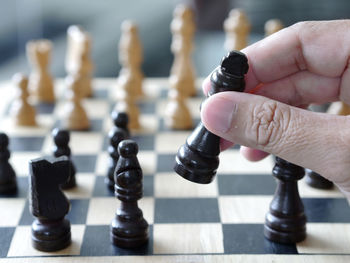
x=314 y=140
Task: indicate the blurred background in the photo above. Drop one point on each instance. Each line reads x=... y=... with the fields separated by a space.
x=24 y=20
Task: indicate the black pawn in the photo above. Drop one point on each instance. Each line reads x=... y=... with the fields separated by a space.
x=198 y=159
x=61 y=148
x=316 y=180
x=121 y=121
x=128 y=229
x=286 y=221
x=118 y=133
x=8 y=182
x=50 y=230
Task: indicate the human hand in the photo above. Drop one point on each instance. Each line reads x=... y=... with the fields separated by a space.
x=302 y=64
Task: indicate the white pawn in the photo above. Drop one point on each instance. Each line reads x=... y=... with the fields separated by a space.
x=177 y=114
x=237 y=28
x=75 y=115
x=22 y=112
x=130 y=57
x=40 y=80
x=183 y=29
x=126 y=103
x=272 y=26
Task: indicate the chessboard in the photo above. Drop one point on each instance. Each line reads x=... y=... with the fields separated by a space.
x=219 y=222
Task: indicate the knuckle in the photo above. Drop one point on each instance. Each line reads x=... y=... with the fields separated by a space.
x=269 y=123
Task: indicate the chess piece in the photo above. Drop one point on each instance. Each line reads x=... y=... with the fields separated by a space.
x=183 y=29
x=286 y=221
x=237 y=28
x=8 y=183
x=61 y=148
x=127 y=104
x=121 y=120
x=177 y=114
x=316 y=180
x=40 y=80
x=272 y=26
x=128 y=229
x=22 y=112
x=197 y=160
x=130 y=57
x=50 y=230
x=117 y=134
x=78 y=60
x=339 y=108
x=75 y=116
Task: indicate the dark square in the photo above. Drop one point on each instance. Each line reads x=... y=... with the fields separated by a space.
x=163 y=94
x=101 y=189
x=186 y=210
x=100 y=93
x=145 y=142
x=246 y=184
x=45 y=108
x=96 y=125
x=6 y=234
x=97 y=243
x=147 y=107
x=22 y=189
x=78 y=211
x=330 y=210
x=76 y=215
x=84 y=163
x=28 y=144
x=249 y=239
x=165 y=162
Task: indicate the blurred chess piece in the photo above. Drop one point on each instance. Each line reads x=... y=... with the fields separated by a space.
x=40 y=80
x=130 y=58
x=272 y=26
x=75 y=115
x=22 y=112
x=78 y=60
x=237 y=28
x=177 y=114
x=127 y=104
x=183 y=29
x=339 y=108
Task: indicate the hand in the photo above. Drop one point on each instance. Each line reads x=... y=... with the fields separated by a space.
x=302 y=64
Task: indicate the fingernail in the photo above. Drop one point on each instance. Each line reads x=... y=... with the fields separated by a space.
x=217 y=114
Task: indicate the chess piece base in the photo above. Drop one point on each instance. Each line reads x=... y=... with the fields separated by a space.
x=52 y=236
x=317 y=181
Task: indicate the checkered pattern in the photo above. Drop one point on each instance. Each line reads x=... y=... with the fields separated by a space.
x=223 y=218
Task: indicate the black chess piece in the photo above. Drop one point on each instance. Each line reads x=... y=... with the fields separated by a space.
x=121 y=121
x=61 y=148
x=286 y=221
x=48 y=204
x=316 y=180
x=128 y=229
x=197 y=160
x=116 y=135
x=8 y=182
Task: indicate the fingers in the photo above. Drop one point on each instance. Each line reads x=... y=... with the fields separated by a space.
x=253 y=155
x=313 y=140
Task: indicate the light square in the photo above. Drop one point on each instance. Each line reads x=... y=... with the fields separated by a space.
x=172 y=185
x=84 y=189
x=244 y=209
x=169 y=142
x=102 y=210
x=323 y=238
x=187 y=238
x=11 y=211
x=20 y=161
x=306 y=190
x=96 y=108
x=232 y=162
x=21 y=245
